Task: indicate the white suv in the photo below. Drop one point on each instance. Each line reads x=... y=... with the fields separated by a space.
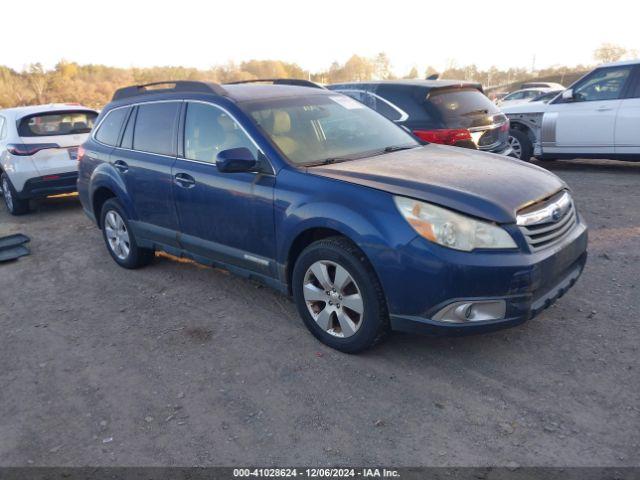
x=38 y=151
x=597 y=117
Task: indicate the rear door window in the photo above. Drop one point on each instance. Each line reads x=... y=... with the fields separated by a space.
x=461 y=108
x=155 y=130
x=109 y=129
x=57 y=123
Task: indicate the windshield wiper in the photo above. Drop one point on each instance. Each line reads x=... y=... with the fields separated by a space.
x=327 y=161
x=346 y=158
x=397 y=148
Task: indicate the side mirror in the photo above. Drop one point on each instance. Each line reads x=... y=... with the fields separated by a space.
x=236 y=160
x=567 y=94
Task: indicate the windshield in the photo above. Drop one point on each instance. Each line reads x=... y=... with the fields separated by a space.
x=67 y=122
x=325 y=128
x=461 y=108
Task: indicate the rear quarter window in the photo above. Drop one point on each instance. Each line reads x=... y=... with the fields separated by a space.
x=379 y=104
x=109 y=129
x=408 y=101
x=57 y=123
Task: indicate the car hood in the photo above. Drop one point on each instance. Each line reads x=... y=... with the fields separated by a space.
x=528 y=107
x=485 y=185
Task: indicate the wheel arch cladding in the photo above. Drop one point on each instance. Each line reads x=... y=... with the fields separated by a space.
x=302 y=241
x=100 y=196
x=105 y=177
x=524 y=128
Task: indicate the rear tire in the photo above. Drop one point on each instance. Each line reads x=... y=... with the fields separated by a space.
x=119 y=238
x=339 y=297
x=15 y=205
x=521 y=144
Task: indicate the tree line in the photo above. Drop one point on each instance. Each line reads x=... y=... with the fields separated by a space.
x=93 y=85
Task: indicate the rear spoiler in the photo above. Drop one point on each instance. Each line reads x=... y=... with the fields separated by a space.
x=456 y=86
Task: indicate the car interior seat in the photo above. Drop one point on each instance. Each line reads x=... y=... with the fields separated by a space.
x=280 y=129
x=232 y=136
x=64 y=127
x=205 y=143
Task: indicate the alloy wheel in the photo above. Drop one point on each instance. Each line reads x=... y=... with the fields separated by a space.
x=117 y=234
x=516 y=146
x=333 y=298
x=6 y=191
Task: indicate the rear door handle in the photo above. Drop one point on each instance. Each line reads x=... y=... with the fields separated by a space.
x=185 y=180
x=120 y=165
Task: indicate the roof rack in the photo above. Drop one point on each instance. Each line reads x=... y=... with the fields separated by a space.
x=298 y=82
x=171 y=86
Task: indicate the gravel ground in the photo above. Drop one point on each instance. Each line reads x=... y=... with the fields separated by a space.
x=178 y=364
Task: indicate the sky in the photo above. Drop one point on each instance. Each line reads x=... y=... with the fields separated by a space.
x=314 y=34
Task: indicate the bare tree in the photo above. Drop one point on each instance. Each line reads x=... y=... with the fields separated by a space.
x=38 y=81
x=609 y=52
x=382 y=66
x=413 y=73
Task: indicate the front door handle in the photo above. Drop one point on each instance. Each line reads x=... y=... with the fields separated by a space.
x=120 y=165
x=604 y=109
x=184 y=180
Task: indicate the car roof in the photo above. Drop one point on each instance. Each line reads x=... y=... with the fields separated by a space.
x=20 y=112
x=536 y=89
x=429 y=84
x=635 y=61
x=238 y=93
x=258 y=91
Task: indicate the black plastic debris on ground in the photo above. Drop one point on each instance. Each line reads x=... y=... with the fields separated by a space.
x=13 y=247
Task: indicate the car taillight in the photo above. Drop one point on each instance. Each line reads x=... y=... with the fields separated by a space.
x=444 y=136
x=23 y=149
x=80 y=151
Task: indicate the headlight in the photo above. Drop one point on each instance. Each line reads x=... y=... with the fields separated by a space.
x=451 y=229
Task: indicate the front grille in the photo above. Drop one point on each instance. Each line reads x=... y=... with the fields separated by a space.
x=548 y=222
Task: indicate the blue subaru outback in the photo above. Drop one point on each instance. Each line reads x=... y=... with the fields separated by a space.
x=324 y=199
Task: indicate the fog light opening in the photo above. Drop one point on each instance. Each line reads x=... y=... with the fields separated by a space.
x=472 y=311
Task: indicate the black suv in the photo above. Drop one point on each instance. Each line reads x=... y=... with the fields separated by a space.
x=449 y=112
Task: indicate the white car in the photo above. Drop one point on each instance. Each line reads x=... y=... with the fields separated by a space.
x=38 y=151
x=538 y=84
x=521 y=96
x=597 y=117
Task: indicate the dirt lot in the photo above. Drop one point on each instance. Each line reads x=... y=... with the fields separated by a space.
x=178 y=364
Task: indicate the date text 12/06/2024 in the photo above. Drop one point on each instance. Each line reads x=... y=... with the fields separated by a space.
x=316 y=472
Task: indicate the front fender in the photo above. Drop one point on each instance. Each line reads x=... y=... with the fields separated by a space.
x=368 y=217
x=362 y=231
x=106 y=176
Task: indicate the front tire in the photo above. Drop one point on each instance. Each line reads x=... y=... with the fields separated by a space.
x=119 y=238
x=15 y=205
x=521 y=145
x=339 y=297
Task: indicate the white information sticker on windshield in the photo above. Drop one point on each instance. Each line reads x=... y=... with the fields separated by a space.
x=347 y=102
